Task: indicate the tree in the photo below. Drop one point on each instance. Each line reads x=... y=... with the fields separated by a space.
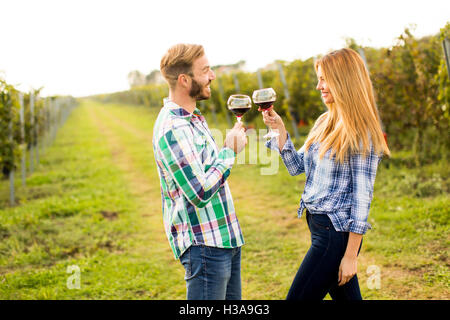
x=136 y=78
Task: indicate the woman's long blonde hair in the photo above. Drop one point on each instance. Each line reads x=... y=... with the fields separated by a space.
x=352 y=123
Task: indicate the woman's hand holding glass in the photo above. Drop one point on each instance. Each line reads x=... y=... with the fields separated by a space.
x=272 y=119
x=274 y=122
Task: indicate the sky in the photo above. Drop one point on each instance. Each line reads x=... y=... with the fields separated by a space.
x=84 y=47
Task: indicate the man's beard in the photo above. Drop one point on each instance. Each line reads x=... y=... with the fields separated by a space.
x=196 y=91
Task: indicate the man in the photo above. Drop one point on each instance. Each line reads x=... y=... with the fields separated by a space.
x=198 y=211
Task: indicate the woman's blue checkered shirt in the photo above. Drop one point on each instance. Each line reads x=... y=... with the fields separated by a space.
x=343 y=191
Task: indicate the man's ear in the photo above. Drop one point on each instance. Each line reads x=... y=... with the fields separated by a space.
x=183 y=80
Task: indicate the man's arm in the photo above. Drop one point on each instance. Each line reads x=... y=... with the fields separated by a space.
x=183 y=162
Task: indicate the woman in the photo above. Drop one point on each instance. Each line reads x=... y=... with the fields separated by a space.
x=340 y=159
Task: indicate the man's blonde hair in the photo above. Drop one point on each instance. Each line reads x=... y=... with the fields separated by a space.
x=178 y=60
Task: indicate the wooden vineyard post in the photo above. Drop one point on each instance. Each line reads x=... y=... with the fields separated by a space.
x=23 y=146
x=287 y=96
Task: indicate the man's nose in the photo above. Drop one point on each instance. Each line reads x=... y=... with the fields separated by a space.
x=213 y=75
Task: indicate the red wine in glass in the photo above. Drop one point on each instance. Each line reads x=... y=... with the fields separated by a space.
x=239 y=112
x=265 y=105
x=239 y=104
x=265 y=98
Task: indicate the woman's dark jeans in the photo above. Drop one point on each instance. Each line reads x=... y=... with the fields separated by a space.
x=319 y=270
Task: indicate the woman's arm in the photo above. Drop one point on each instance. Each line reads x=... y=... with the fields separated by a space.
x=363 y=172
x=282 y=138
x=349 y=266
x=292 y=159
x=274 y=121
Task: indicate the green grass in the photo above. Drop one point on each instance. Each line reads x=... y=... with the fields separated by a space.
x=94 y=201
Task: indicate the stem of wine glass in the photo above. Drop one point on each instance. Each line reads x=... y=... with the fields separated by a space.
x=271 y=134
x=238 y=119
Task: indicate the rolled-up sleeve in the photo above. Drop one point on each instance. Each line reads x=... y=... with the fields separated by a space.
x=363 y=172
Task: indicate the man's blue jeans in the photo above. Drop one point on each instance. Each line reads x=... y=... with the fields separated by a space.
x=212 y=273
x=319 y=270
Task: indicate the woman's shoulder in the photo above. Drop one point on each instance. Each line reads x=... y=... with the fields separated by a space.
x=321 y=118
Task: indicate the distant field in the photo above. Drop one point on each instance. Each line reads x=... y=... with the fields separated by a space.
x=94 y=202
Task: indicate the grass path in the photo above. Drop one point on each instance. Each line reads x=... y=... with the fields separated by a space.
x=258 y=278
x=109 y=151
x=152 y=243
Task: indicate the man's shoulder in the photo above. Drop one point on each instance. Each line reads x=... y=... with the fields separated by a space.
x=166 y=122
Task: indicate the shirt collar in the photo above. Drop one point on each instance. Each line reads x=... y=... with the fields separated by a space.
x=178 y=111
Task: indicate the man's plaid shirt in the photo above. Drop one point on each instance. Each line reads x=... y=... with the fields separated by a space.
x=196 y=200
x=342 y=191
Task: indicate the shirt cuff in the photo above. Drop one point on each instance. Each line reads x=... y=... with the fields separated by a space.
x=288 y=145
x=273 y=144
x=359 y=227
x=228 y=155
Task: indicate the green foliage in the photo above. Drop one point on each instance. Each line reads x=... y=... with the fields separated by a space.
x=34 y=124
x=13 y=141
x=406 y=79
x=410 y=79
x=9 y=110
x=305 y=99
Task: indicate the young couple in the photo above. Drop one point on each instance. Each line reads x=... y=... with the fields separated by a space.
x=340 y=159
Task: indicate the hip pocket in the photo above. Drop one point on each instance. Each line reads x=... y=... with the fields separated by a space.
x=185 y=260
x=320 y=221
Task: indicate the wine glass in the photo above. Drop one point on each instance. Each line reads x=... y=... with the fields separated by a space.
x=265 y=98
x=239 y=104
